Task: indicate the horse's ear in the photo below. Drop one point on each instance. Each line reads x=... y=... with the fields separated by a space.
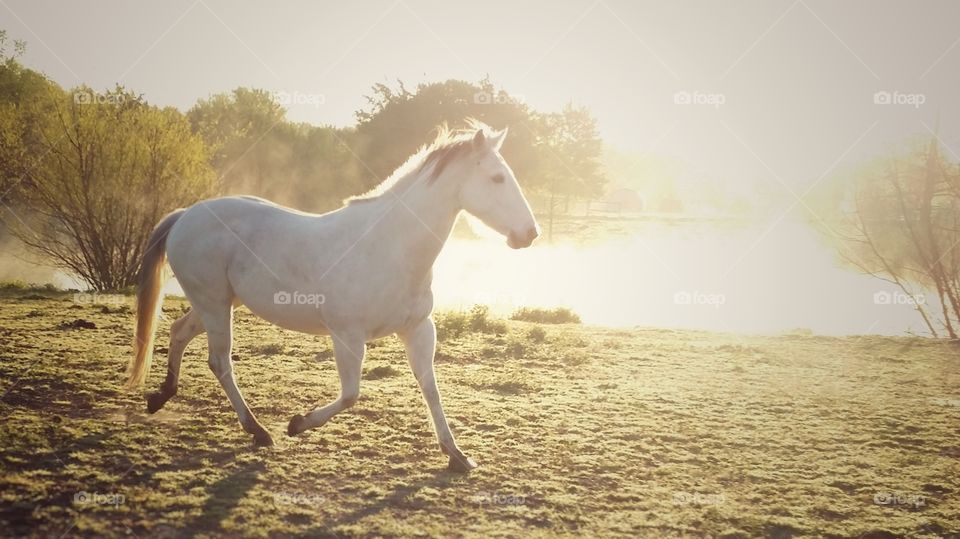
x=479 y=140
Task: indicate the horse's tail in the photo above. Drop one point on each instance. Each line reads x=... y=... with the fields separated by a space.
x=149 y=282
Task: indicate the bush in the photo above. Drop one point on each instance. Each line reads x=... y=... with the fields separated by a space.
x=451 y=325
x=516 y=349
x=537 y=334
x=559 y=315
x=380 y=372
x=20 y=286
x=121 y=165
x=22 y=290
x=478 y=318
x=496 y=327
x=455 y=324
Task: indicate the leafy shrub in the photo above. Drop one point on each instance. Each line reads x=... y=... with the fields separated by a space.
x=478 y=318
x=537 y=334
x=21 y=286
x=380 y=372
x=451 y=325
x=496 y=327
x=480 y=321
x=455 y=324
x=559 y=315
x=516 y=349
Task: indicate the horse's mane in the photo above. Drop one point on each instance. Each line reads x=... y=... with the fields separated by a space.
x=429 y=160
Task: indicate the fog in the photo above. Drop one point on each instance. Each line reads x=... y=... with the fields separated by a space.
x=734 y=277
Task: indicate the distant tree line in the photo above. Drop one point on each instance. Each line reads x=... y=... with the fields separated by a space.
x=85 y=174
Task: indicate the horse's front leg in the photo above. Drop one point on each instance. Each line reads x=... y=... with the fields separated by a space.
x=348 y=351
x=421 y=343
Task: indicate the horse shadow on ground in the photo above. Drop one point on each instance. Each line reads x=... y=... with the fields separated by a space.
x=440 y=480
x=225 y=495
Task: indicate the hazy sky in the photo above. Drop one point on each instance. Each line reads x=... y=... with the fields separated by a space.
x=788 y=86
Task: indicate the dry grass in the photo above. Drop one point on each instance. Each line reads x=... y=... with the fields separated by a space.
x=578 y=431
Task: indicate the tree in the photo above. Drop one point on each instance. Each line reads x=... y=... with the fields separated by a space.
x=102 y=169
x=397 y=122
x=256 y=150
x=19 y=87
x=554 y=154
x=902 y=225
x=574 y=150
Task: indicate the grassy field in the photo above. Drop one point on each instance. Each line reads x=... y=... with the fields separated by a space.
x=578 y=431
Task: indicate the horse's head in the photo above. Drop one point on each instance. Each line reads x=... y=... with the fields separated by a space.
x=490 y=191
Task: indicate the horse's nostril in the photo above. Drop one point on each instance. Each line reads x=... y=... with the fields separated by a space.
x=532 y=233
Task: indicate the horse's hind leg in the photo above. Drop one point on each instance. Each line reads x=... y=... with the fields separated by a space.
x=181 y=333
x=219 y=324
x=349 y=354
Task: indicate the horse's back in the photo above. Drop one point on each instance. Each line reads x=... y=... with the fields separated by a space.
x=212 y=234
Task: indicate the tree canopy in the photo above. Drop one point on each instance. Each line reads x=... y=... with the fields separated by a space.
x=91 y=172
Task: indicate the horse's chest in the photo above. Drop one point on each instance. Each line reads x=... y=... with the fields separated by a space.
x=396 y=312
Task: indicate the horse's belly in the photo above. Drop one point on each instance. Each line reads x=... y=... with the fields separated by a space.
x=302 y=317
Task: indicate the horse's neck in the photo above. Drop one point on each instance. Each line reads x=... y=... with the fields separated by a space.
x=419 y=221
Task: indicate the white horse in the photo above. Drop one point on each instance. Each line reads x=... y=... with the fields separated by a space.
x=358 y=273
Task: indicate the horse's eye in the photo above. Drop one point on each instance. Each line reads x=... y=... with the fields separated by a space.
x=498 y=178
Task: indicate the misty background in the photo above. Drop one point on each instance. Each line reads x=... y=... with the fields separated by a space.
x=703 y=180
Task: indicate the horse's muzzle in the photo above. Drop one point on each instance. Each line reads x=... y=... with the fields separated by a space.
x=521 y=241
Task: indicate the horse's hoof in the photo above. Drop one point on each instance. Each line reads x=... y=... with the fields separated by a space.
x=262 y=439
x=296 y=425
x=155 y=402
x=461 y=463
